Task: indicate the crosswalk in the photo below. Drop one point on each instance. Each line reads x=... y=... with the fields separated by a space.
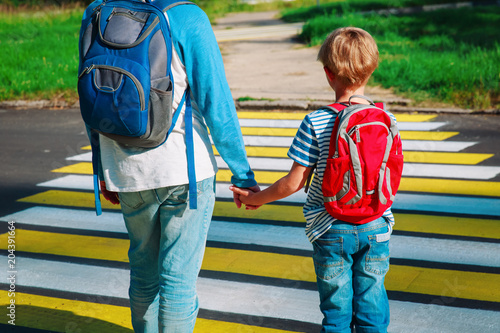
x=257 y=275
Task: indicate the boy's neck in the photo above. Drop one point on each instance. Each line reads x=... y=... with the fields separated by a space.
x=342 y=95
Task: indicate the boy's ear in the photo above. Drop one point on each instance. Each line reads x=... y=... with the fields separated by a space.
x=329 y=74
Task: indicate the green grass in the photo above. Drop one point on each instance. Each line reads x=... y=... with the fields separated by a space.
x=39 y=45
x=39 y=57
x=450 y=56
x=328 y=7
x=248 y=98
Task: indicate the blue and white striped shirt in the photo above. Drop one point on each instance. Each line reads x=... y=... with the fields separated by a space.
x=309 y=147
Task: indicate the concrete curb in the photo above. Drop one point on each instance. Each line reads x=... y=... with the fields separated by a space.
x=40 y=104
x=397 y=105
x=393 y=106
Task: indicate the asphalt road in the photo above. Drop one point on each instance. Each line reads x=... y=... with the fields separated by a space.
x=443 y=255
x=34 y=142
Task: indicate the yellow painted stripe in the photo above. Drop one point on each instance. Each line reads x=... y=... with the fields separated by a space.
x=427 y=185
x=266 y=131
x=78 y=246
x=409 y=156
x=277 y=152
x=425 y=135
x=84 y=168
x=63 y=315
x=443 y=283
x=301 y=115
x=450 y=186
x=405 y=135
x=445 y=158
x=457 y=226
x=266 y=212
x=67 y=198
x=272 y=115
x=448 y=225
x=281 y=266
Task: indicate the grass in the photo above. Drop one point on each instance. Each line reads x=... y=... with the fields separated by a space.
x=305 y=13
x=39 y=44
x=449 y=56
x=39 y=57
x=248 y=98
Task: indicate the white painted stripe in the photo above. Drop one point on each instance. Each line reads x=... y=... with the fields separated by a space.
x=408 y=145
x=426 y=170
x=271 y=123
x=450 y=171
x=69 y=218
x=76 y=182
x=85 y=157
x=268 y=141
x=447 y=204
x=413 y=202
x=286 y=142
x=441 y=146
x=409 y=169
x=226 y=296
x=289 y=123
x=407 y=317
x=404 y=247
x=445 y=250
x=404 y=201
x=250 y=299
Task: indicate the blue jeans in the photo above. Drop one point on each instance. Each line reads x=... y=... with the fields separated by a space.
x=351 y=262
x=167 y=243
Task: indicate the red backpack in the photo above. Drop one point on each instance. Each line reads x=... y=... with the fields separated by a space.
x=364 y=164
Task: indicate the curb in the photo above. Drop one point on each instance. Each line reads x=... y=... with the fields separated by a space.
x=397 y=105
x=40 y=104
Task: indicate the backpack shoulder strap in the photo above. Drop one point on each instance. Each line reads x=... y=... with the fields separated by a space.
x=336 y=107
x=165 y=5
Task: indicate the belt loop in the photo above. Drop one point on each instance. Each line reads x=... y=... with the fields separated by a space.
x=386 y=236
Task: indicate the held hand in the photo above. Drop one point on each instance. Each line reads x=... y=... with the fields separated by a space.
x=244 y=195
x=108 y=195
x=254 y=189
x=236 y=198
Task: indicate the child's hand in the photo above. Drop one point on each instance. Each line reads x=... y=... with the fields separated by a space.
x=108 y=195
x=244 y=195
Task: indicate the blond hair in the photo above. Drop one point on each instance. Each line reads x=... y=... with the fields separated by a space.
x=351 y=54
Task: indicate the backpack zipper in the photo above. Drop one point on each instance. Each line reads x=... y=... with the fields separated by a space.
x=129 y=14
x=358 y=127
x=136 y=82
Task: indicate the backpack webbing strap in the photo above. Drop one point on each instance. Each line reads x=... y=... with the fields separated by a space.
x=336 y=110
x=165 y=5
x=193 y=202
x=94 y=142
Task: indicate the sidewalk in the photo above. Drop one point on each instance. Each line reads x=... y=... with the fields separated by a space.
x=279 y=68
x=266 y=64
x=274 y=70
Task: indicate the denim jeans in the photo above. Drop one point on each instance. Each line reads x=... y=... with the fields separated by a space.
x=351 y=262
x=167 y=243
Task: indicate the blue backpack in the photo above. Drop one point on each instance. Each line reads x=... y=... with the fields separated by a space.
x=125 y=82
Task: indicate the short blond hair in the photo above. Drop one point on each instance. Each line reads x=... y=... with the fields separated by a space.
x=351 y=54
